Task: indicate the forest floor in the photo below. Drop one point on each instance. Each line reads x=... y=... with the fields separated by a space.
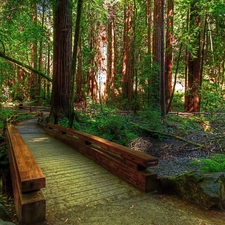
x=174 y=156
x=178 y=149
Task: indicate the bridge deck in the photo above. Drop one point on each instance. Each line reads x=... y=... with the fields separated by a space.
x=71 y=178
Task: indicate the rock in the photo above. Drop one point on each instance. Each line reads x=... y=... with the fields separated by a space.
x=2 y=222
x=3 y=213
x=204 y=189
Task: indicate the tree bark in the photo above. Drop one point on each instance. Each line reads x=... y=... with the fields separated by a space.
x=74 y=60
x=192 y=98
x=169 y=53
x=128 y=53
x=33 y=78
x=156 y=51
x=62 y=55
x=149 y=21
x=111 y=53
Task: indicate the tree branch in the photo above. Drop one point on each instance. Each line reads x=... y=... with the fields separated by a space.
x=14 y=61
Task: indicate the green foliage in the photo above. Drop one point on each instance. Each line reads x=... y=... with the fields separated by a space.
x=185 y=125
x=102 y=121
x=115 y=128
x=211 y=99
x=65 y=123
x=150 y=118
x=178 y=102
x=25 y=116
x=214 y=164
x=4 y=113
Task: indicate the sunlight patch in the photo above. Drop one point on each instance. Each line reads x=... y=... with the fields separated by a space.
x=39 y=139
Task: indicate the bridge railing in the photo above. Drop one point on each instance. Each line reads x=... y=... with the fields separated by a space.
x=27 y=179
x=130 y=165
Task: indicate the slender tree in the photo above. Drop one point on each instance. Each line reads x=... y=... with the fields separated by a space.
x=128 y=52
x=155 y=78
x=111 y=52
x=34 y=57
x=74 y=61
x=192 y=95
x=169 y=53
x=149 y=21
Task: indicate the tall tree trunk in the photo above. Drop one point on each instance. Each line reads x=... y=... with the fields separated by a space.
x=48 y=67
x=162 y=64
x=102 y=64
x=111 y=53
x=33 y=78
x=192 y=100
x=149 y=25
x=61 y=61
x=155 y=78
x=41 y=53
x=169 y=53
x=79 y=79
x=74 y=61
x=93 y=63
x=90 y=76
x=128 y=53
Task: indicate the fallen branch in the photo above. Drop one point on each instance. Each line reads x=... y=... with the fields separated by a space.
x=152 y=132
x=25 y=66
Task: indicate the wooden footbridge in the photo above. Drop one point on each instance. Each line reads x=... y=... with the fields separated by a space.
x=52 y=172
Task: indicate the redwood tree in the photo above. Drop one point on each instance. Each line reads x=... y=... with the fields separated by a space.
x=61 y=60
x=33 y=78
x=169 y=53
x=192 y=95
x=128 y=52
x=156 y=51
x=72 y=72
x=111 y=52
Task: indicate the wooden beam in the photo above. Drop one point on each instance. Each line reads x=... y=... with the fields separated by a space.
x=130 y=155
x=31 y=177
x=30 y=202
x=143 y=179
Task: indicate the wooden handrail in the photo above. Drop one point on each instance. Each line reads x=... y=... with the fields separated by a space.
x=140 y=158
x=130 y=165
x=27 y=179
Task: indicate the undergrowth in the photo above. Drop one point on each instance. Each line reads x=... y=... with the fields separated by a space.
x=4 y=113
x=106 y=122
x=103 y=121
x=214 y=164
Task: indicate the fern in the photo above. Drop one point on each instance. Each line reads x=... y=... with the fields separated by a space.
x=214 y=164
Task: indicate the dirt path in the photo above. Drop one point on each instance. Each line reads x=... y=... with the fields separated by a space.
x=147 y=209
x=138 y=209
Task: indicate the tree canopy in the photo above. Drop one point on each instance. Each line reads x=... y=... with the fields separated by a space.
x=131 y=54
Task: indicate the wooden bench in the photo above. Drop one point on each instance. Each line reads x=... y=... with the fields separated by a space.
x=27 y=179
x=127 y=163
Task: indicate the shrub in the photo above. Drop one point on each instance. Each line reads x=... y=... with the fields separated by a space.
x=214 y=164
x=115 y=128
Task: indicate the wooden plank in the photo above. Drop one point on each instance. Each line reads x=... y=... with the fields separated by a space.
x=30 y=175
x=25 y=203
x=143 y=180
x=28 y=203
x=140 y=158
x=11 y=129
